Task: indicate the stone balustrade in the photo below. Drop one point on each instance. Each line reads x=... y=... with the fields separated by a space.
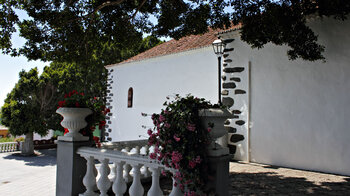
x=8 y=146
x=129 y=163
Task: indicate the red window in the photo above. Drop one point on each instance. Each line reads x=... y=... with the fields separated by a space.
x=130 y=97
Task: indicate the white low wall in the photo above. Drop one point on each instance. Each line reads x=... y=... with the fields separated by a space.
x=300 y=110
x=194 y=72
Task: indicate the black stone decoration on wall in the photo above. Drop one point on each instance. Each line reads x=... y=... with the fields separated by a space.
x=236 y=138
x=236 y=112
x=240 y=91
x=235 y=116
x=227 y=41
x=228 y=49
x=233 y=69
x=228 y=68
x=229 y=85
x=227 y=101
x=224 y=92
x=236 y=79
x=230 y=129
x=109 y=100
x=232 y=149
x=240 y=122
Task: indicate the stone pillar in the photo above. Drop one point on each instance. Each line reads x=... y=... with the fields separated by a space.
x=219 y=180
x=71 y=168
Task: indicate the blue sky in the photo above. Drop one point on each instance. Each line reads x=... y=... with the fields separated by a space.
x=11 y=66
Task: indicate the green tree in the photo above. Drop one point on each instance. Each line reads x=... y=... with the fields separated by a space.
x=77 y=30
x=26 y=106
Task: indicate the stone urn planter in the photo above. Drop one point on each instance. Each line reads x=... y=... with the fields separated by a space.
x=217 y=117
x=73 y=120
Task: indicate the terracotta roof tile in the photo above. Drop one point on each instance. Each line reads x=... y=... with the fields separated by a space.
x=175 y=46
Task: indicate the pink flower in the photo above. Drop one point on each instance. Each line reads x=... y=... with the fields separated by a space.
x=153 y=156
x=190 y=193
x=176 y=138
x=178 y=176
x=161 y=118
x=191 y=127
x=163 y=173
x=167 y=125
x=149 y=132
x=192 y=164
x=176 y=157
x=198 y=159
x=182 y=187
x=156 y=150
x=209 y=130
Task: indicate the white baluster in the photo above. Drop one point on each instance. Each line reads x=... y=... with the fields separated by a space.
x=112 y=174
x=137 y=150
x=119 y=185
x=144 y=170
x=103 y=183
x=155 y=188
x=127 y=177
x=89 y=180
x=176 y=191
x=136 y=188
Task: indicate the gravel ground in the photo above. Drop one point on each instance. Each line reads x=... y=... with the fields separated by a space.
x=260 y=179
x=22 y=176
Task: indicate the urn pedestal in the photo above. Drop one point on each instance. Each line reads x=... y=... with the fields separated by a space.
x=73 y=120
x=218 y=118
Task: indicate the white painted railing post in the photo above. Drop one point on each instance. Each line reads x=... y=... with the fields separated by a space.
x=127 y=168
x=136 y=188
x=8 y=146
x=119 y=185
x=89 y=180
x=176 y=191
x=104 y=183
x=155 y=189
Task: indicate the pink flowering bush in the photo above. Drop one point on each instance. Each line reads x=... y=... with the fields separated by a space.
x=181 y=141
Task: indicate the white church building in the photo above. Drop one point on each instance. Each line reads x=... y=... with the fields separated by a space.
x=287 y=113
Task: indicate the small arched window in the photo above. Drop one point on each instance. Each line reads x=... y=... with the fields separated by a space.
x=130 y=97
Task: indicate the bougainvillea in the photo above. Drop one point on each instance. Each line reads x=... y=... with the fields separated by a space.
x=180 y=141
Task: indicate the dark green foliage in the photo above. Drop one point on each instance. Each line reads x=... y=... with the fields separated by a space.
x=105 y=32
x=24 y=109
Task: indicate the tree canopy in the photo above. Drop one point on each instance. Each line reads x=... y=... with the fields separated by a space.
x=25 y=107
x=72 y=30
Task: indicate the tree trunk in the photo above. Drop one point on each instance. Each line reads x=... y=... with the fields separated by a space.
x=28 y=146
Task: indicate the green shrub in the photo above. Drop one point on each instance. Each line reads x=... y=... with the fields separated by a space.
x=7 y=139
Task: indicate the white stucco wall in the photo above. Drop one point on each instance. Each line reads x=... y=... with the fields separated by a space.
x=300 y=110
x=152 y=80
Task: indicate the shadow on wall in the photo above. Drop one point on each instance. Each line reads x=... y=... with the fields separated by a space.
x=41 y=158
x=270 y=183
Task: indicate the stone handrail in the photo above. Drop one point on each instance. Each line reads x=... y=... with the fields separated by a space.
x=124 y=144
x=8 y=146
x=125 y=160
